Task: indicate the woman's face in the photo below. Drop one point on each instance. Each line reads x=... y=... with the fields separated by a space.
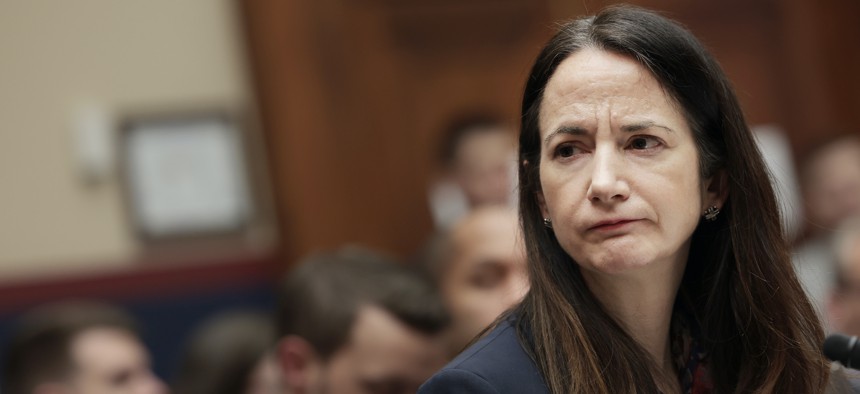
x=619 y=167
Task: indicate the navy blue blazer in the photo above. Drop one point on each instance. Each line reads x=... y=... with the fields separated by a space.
x=496 y=364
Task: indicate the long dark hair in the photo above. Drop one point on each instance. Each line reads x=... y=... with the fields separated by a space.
x=758 y=328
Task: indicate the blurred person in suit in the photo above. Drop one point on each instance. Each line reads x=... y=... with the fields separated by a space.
x=78 y=347
x=844 y=302
x=480 y=268
x=353 y=321
x=230 y=353
x=477 y=163
x=830 y=178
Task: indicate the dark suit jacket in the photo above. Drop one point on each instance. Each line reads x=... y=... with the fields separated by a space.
x=496 y=364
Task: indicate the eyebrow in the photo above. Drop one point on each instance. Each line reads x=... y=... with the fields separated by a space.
x=644 y=125
x=575 y=130
x=571 y=130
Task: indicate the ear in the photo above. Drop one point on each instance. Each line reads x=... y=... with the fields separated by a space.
x=542 y=204
x=299 y=363
x=716 y=190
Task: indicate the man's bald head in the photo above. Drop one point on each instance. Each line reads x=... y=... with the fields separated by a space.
x=480 y=268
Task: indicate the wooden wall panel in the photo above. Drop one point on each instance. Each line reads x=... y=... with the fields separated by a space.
x=353 y=93
x=822 y=62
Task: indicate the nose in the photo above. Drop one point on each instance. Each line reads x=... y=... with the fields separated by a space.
x=608 y=183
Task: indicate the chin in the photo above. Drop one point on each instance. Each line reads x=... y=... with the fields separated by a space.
x=620 y=265
x=614 y=261
x=615 y=258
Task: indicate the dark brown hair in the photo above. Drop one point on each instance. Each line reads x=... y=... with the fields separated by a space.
x=38 y=351
x=320 y=299
x=758 y=327
x=222 y=353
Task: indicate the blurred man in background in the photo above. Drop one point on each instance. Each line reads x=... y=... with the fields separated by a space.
x=480 y=268
x=354 y=322
x=844 y=303
x=78 y=348
x=477 y=162
x=830 y=178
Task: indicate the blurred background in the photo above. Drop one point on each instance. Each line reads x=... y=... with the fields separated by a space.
x=177 y=157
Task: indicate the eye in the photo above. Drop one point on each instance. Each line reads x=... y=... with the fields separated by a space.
x=644 y=142
x=566 y=150
x=121 y=378
x=489 y=275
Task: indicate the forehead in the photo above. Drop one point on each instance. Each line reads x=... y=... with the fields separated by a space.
x=492 y=222
x=102 y=348
x=591 y=82
x=838 y=155
x=491 y=231
x=590 y=66
x=485 y=145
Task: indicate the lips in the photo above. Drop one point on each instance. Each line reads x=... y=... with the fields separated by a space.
x=611 y=224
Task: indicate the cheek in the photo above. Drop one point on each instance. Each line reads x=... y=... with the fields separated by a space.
x=459 y=295
x=675 y=189
x=678 y=216
x=468 y=299
x=560 y=192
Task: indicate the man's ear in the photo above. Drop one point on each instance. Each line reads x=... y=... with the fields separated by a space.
x=717 y=189
x=299 y=363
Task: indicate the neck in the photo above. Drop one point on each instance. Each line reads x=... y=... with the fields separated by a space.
x=642 y=302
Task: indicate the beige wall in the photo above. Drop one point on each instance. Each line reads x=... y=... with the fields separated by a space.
x=117 y=56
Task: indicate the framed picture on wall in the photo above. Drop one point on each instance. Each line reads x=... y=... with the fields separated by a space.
x=185 y=175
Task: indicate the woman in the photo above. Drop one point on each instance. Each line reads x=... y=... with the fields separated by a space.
x=656 y=256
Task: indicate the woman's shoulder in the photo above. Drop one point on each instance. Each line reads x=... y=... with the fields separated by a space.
x=497 y=363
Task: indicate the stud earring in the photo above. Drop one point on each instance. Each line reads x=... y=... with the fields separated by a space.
x=547 y=222
x=711 y=213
